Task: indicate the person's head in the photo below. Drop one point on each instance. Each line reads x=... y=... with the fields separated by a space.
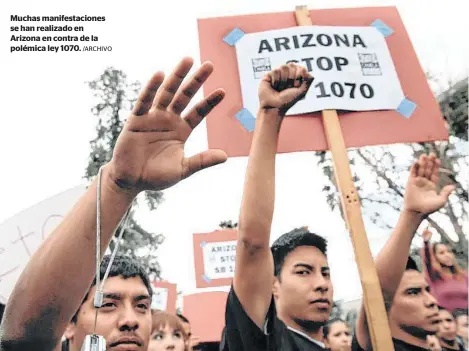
x=186 y=324
x=337 y=335
x=447 y=330
x=413 y=311
x=302 y=286
x=167 y=333
x=125 y=317
x=444 y=255
x=444 y=263
x=460 y=315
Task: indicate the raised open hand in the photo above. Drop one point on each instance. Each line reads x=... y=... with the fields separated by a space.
x=284 y=87
x=421 y=194
x=149 y=153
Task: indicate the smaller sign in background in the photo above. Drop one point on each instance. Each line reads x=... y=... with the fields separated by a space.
x=214 y=255
x=164 y=296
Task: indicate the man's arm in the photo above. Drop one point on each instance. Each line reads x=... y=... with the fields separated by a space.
x=149 y=155
x=254 y=274
x=420 y=199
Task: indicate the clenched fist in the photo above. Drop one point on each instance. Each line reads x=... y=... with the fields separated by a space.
x=284 y=87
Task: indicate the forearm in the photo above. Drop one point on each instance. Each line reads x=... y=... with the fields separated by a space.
x=59 y=274
x=392 y=259
x=257 y=206
x=427 y=257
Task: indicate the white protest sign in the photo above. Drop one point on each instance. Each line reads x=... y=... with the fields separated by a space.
x=219 y=259
x=160 y=298
x=352 y=67
x=22 y=234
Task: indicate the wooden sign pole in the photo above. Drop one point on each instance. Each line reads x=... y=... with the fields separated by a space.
x=378 y=326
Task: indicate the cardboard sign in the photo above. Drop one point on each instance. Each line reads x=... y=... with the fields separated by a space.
x=306 y=132
x=206 y=312
x=22 y=234
x=214 y=258
x=164 y=296
x=351 y=66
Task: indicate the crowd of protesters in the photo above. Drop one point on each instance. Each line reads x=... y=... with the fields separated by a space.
x=281 y=296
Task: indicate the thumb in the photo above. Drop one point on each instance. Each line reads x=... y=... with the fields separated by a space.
x=202 y=160
x=447 y=190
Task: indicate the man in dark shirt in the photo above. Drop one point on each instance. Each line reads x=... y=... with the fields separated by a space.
x=412 y=309
x=281 y=297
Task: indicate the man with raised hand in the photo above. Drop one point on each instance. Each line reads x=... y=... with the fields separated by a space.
x=412 y=310
x=281 y=296
x=149 y=155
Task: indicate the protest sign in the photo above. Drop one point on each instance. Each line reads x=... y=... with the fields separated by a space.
x=352 y=67
x=164 y=296
x=214 y=258
x=305 y=132
x=206 y=312
x=22 y=234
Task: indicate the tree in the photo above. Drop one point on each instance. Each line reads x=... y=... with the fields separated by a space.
x=115 y=97
x=383 y=173
x=337 y=310
x=228 y=225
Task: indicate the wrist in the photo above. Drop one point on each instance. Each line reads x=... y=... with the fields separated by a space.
x=111 y=183
x=412 y=216
x=271 y=116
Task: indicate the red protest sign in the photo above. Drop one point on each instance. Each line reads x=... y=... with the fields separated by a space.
x=164 y=296
x=306 y=132
x=206 y=312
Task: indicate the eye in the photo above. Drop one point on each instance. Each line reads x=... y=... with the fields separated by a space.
x=177 y=334
x=413 y=291
x=158 y=337
x=303 y=272
x=108 y=305
x=326 y=274
x=143 y=306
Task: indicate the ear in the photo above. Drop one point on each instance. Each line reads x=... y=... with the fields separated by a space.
x=276 y=288
x=70 y=331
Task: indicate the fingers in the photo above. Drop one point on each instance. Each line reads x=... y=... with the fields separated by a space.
x=447 y=190
x=186 y=93
x=429 y=165
x=203 y=108
x=290 y=76
x=170 y=86
x=436 y=171
x=284 y=74
x=414 y=169
x=147 y=95
x=202 y=160
x=275 y=79
x=422 y=164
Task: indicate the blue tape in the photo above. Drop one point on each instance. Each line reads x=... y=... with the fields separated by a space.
x=246 y=119
x=406 y=107
x=202 y=244
x=382 y=27
x=207 y=279
x=233 y=37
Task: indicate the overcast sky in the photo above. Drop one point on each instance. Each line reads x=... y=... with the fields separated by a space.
x=46 y=123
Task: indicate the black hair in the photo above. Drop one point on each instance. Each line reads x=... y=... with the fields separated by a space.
x=290 y=241
x=411 y=265
x=122 y=266
x=458 y=312
x=181 y=317
x=327 y=327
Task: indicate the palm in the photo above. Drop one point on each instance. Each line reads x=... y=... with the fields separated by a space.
x=149 y=154
x=421 y=194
